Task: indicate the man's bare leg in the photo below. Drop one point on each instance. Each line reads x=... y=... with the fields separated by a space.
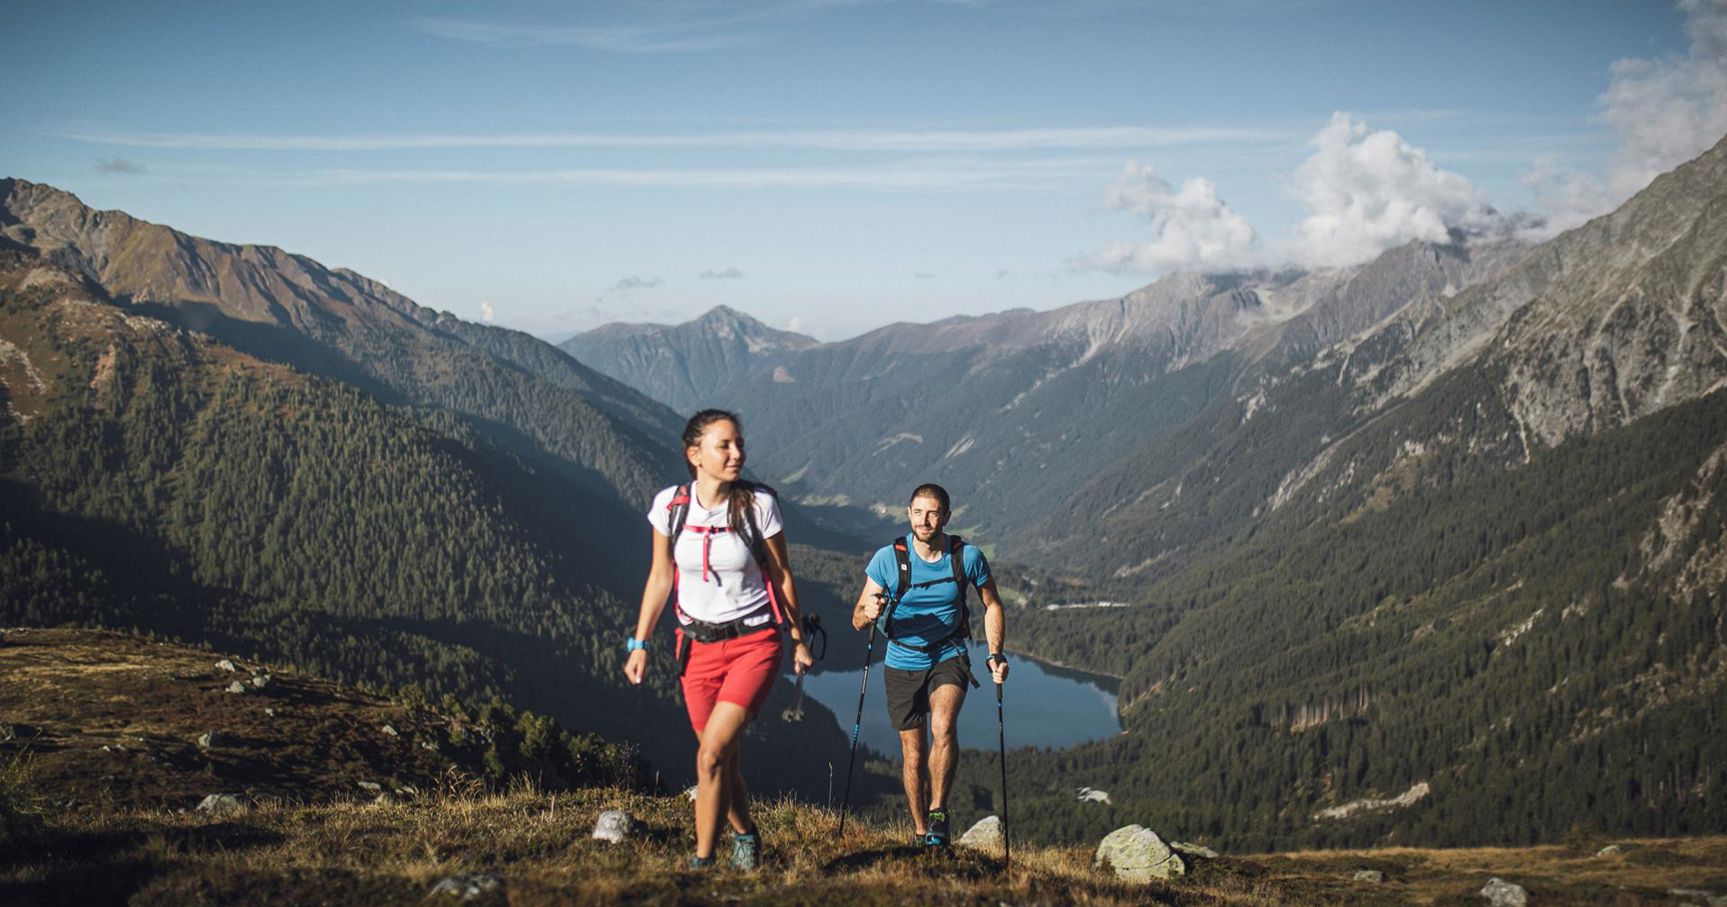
x=944 y=703
x=914 y=775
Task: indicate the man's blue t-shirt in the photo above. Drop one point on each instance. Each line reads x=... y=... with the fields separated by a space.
x=929 y=612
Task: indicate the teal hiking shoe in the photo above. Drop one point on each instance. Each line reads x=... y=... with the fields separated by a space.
x=936 y=821
x=746 y=851
x=700 y=863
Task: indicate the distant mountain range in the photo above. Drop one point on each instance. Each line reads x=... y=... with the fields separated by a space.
x=1424 y=550
x=1013 y=412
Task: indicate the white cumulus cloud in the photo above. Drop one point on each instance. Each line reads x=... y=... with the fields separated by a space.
x=1664 y=112
x=1369 y=191
x=1191 y=227
x=1667 y=112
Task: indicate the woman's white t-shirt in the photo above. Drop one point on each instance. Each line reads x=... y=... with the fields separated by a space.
x=734 y=586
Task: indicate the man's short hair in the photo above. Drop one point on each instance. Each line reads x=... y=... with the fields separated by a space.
x=932 y=490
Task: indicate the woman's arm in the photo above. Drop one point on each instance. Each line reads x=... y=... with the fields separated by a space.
x=654 y=592
x=780 y=574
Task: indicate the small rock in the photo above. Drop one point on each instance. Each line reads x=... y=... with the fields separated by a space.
x=1137 y=854
x=614 y=825
x=1370 y=875
x=221 y=805
x=390 y=731
x=260 y=681
x=468 y=888
x=428 y=745
x=226 y=665
x=210 y=739
x=236 y=687
x=1194 y=850
x=985 y=835
x=372 y=786
x=1092 y=795
x=1609 y=850
x=1501 y=893
x=270 y=712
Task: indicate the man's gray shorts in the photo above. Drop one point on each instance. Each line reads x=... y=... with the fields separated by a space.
x=908 y=691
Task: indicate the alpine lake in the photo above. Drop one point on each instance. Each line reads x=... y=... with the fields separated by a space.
x=1042 y=705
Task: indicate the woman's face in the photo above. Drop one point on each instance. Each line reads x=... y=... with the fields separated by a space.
x=720 y=454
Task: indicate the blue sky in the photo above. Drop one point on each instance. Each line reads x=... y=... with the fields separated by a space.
x=834 y=165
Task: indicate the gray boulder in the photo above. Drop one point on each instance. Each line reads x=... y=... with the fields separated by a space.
x=1501 y=893
x=260 y=681
x=226 y=665
x=1137 y=854
x=1194 y=850
x=467 y=888
x=221 y=805
x=209 y=739
x=236 y=687
x=614 y=826
x=986 y=834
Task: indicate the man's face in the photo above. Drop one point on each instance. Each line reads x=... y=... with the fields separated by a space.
x=927 y=518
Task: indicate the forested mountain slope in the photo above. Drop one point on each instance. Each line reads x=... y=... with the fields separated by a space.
x=1474 y=556
x=156 y=478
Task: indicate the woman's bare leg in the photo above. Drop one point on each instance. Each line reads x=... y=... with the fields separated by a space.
x=716 y=762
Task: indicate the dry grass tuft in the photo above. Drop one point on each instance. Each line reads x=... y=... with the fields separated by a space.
x=539 y=844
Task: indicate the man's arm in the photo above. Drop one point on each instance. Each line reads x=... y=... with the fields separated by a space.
x=994 y=628
x=869 y=605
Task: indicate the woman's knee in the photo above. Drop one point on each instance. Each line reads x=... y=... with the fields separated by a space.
x=714 y=760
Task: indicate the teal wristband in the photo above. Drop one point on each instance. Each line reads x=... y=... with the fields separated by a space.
x=633 y=644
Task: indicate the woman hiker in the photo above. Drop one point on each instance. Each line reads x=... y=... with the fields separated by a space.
x=719 y=542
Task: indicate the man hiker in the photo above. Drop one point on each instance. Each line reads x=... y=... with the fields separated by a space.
x=915 y=592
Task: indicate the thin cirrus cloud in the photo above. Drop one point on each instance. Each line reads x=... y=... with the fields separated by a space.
x=620 y=39
x=959 y=176
x=886 y=140
x=722 y=274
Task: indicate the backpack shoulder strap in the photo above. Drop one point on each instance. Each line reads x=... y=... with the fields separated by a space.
x=956 y=555
x=679 y=509
x=902 y=560
x=758 y=545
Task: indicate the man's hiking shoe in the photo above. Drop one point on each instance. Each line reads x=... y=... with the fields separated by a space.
x=746 y=851
x=700 y=863
x=936 y=821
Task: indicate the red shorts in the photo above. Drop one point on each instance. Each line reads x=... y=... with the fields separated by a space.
x=739 y=671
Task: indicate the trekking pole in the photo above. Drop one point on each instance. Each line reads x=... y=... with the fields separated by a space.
x=846 y=798
x=1001 y=734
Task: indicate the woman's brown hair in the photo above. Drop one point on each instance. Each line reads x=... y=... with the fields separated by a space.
x=742 y=493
